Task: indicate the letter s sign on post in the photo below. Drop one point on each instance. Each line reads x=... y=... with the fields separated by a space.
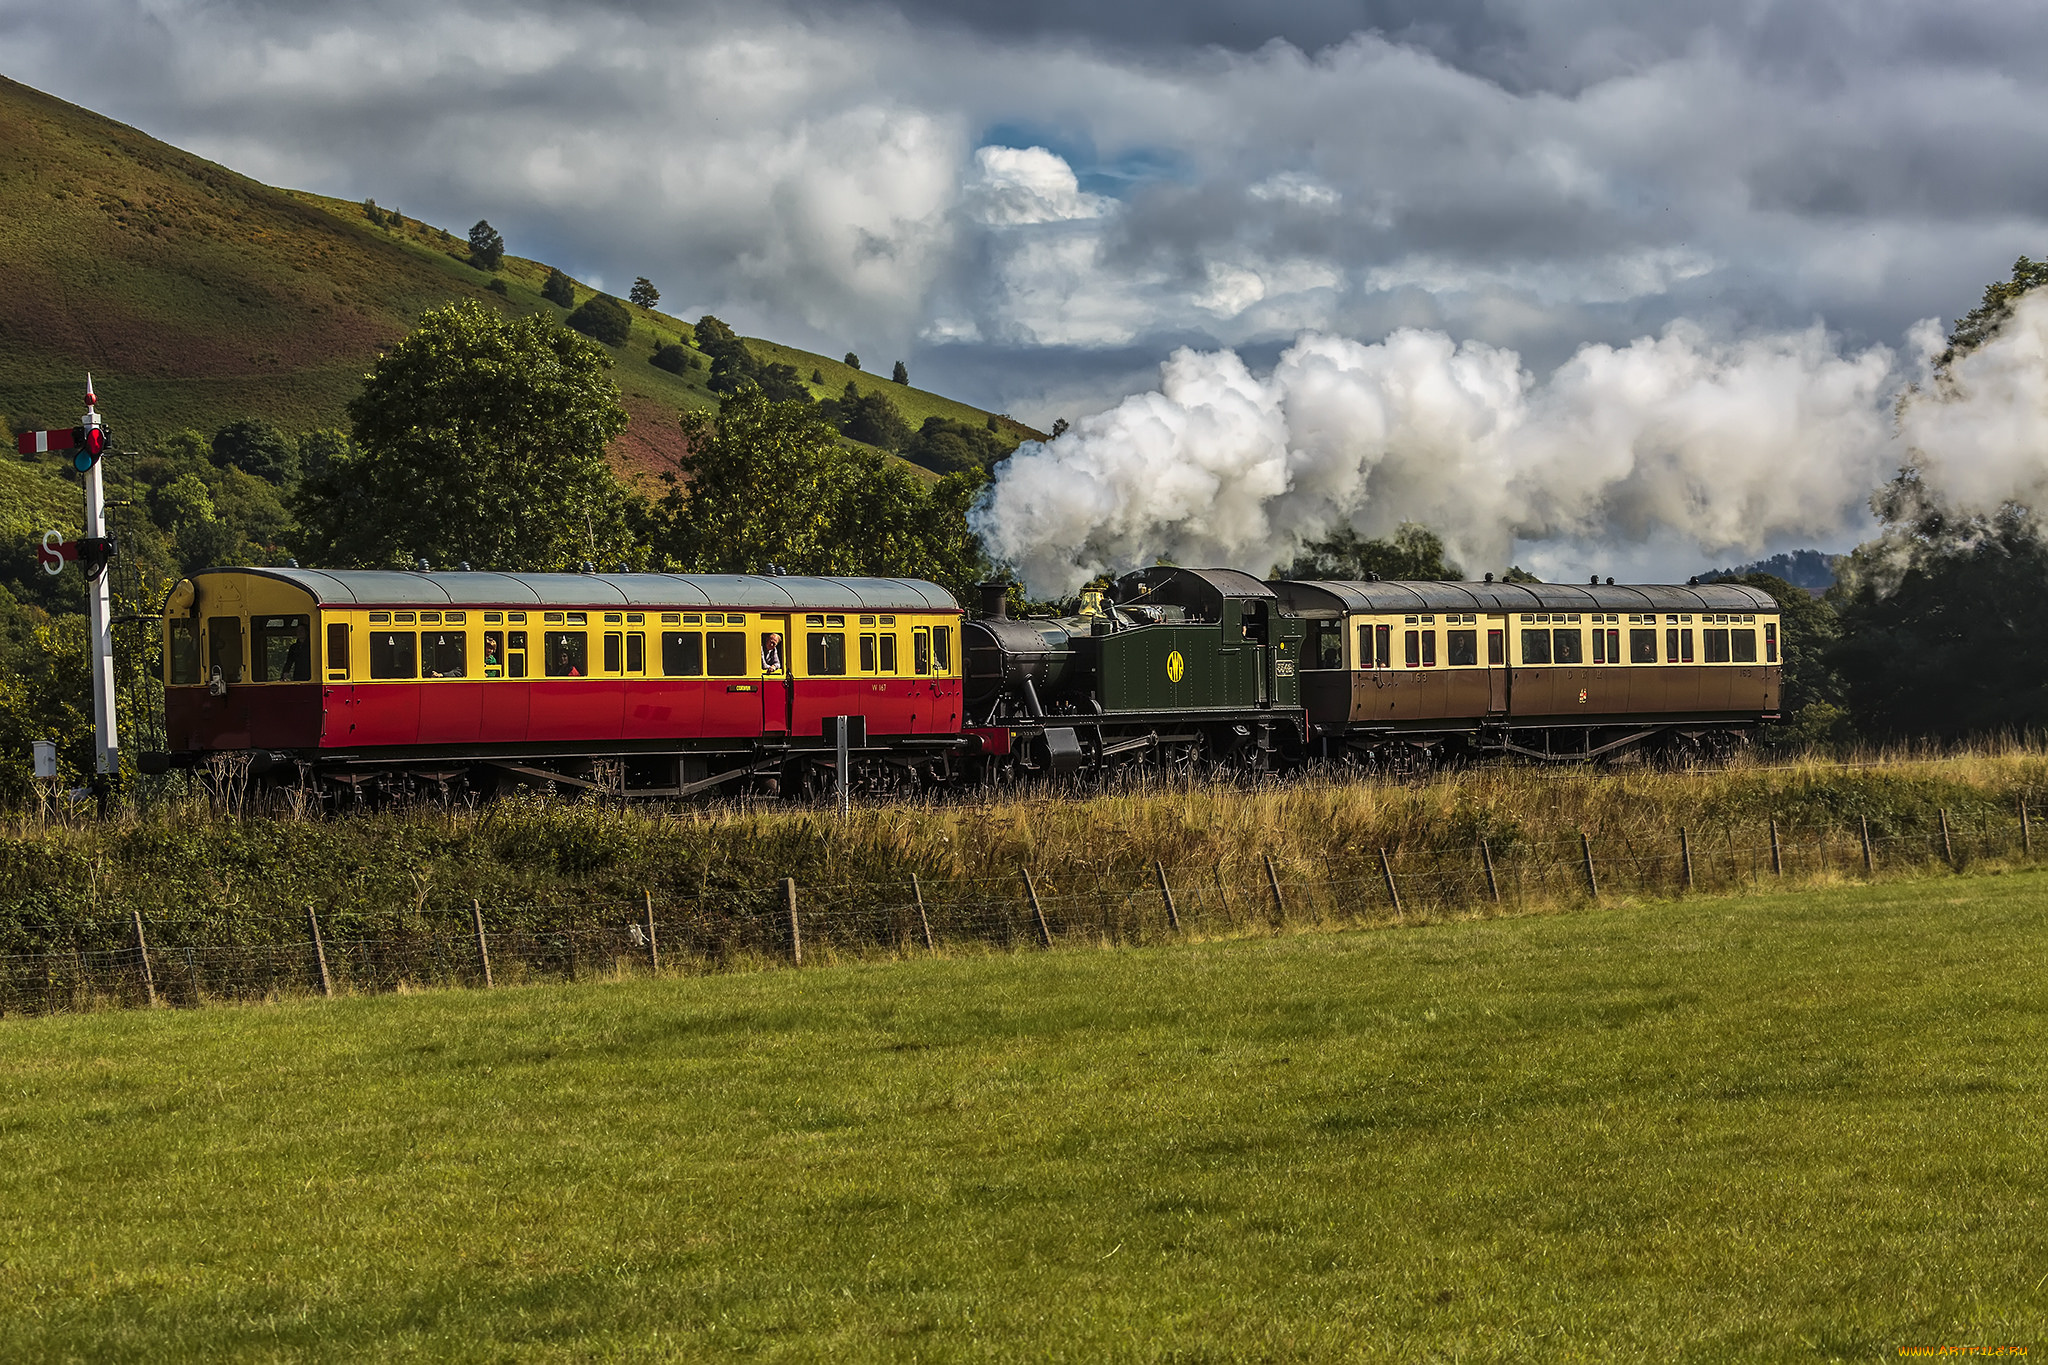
x=52 y=555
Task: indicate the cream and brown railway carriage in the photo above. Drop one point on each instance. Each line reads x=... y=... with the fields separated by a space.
x=1550 y=670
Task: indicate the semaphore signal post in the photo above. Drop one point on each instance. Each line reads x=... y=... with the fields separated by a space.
x=87 y=443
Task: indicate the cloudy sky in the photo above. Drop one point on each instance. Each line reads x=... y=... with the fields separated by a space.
x=1037 y=202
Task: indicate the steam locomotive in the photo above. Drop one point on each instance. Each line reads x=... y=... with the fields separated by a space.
x=673 y=685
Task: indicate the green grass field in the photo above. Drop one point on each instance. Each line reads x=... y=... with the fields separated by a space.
x=1795 y=1127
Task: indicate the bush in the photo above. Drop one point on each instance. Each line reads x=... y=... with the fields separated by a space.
x=675 y=359
x=497 y=286
x=559 y=290
x=603 y=318
x=256 y=448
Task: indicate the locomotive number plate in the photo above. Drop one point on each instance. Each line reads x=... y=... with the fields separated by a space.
x=1176 y=667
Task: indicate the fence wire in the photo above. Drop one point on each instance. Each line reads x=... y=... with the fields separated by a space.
x=184 y=962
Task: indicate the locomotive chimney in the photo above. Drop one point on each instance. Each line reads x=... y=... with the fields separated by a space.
x=995 y=600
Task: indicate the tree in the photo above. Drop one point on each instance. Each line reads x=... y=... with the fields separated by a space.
x=1810 y=687
x=644 y=293
x=479 y=438
x=673 y=358
x=256 y=448
x=869 y=418
x=1413 y=552
x=948 y=446
x=768 y=482
x=817 y=376
x=372 y=212
x=559 y=290
x=901 y=374
x=486 y=247
x=603 y=318
x=852 y=361
x=1981 y=323
x=1517 y=574
x=1059 y=426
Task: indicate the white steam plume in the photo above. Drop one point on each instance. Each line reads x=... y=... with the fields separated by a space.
x=1719 y=445
x=1980 y=436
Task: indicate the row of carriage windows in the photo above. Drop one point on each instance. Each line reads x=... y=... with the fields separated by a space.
x=1717 y=639
x=280 y=647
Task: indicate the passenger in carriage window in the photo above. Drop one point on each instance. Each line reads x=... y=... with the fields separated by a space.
x=494 y=654
x=771 y=652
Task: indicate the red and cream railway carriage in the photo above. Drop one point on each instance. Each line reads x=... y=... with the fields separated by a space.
x=684 y=680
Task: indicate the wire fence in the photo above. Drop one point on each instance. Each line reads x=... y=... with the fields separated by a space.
x=185 y=962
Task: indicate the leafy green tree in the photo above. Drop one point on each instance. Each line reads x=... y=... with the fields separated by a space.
x=673 y=358
x=1810 y=692
x=1517 y=574
x=868 y=418
x=486 y=247
x=372 y=212
x=256 y=448
x=603 y=318
x=817 y=376
x=479 y=438
x=644 y=293
x=852 y=361
x=1981 y=323
x=559 y=290
x=769 y=483
x=949 y=447
x=901 y=374
x=1413 y=552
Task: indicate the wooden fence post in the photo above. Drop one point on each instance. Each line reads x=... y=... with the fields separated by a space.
x=1031 y=893
x=1685 y=854
x=796 y=933
x=923 y=920
x=1166 y=894
x=1869 y=859
x=142 y=952
x=1387 y=871
x=483 y=952
x=1273 y=881
x=1492 y=882
x=320 y=954
x=2026 y=831
x=1947 y=849
x=1777 y=858
x=1586 y=847
x=653 y=949
x=1222 y=896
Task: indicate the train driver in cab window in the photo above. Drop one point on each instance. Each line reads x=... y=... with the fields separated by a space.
x=771 y=652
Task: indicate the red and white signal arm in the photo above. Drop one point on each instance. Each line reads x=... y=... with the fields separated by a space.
x=42 y=442
x=55 y=550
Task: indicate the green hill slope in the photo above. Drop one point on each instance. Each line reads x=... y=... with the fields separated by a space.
x=197 y=296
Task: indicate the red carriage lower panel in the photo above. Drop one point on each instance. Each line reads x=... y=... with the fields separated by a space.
x=664 y=708
x=572 y=710
x=279 y=716
x=451 y=712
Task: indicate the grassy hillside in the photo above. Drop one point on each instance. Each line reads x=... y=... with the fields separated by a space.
x=1789 y=1127
x=197 y=296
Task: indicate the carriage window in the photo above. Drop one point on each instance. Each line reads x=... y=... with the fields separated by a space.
x=1568 y=647
x=614 y=650
x=1429 y=649
x=1600 y=647
x=1325 y=645
x=1770 y=642
x=725 y=653
x=1536 y=646
x=224 y=646
x=825 y=654
x=444 y=654
x=1642 y=646
x=1365 y=647
x=942 y=649
x=1677 y=646
x=494 y=654
x=337 y=650
x=867 y=653
x=889 y=653
x=682 y=654
x=921 y=650
x=636 y=651
x=392 y=653
x=1461 y=647
x=565 y=653
x=1670 y=646
x=1714 y=646
x=1742 y=644
x=1411 y=648
x=515 y=650
x=1496 y=647
x=1383 y=651
x=185 y=652
x=281 y=646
